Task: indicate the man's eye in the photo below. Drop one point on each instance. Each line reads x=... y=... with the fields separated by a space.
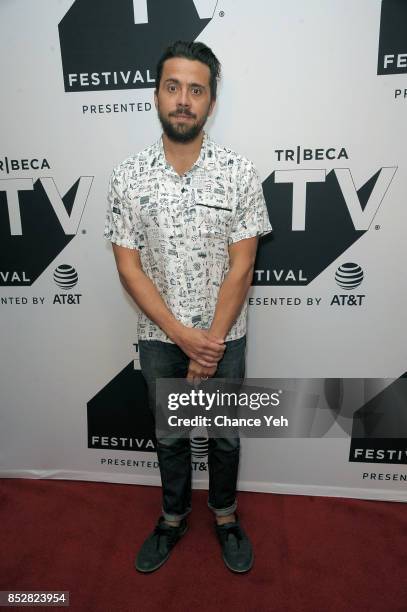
x=172 y=88
x=196 y=90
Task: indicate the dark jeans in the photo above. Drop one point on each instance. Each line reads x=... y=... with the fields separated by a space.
x=165 y=360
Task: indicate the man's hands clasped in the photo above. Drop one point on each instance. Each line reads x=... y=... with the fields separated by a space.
x=197 y=373
x=204 y=350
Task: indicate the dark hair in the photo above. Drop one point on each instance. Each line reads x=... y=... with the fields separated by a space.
x=193 y=51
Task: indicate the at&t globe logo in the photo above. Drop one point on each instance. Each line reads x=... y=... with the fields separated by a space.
x=349 y=275
x=65 y=276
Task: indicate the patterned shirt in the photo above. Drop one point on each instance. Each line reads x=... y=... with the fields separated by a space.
x=182 y=227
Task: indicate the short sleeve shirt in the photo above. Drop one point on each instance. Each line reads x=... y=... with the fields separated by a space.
x=182 y=227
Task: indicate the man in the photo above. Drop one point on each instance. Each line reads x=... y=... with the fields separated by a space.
x=184 y=217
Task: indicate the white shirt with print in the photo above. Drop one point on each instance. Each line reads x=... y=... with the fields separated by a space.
x=182 y=227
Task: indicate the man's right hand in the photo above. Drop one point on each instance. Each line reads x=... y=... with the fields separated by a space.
x=201 y=346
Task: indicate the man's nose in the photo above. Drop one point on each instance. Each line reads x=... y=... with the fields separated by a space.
x=183 y=98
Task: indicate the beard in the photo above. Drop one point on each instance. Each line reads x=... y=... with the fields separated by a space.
x=182 y=132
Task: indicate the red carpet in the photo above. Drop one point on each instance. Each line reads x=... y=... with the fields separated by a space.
x=312 y=553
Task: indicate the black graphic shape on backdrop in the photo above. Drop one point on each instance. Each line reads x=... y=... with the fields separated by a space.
x=97 y=37
x=393 y=37
x=329 y=230
x=120 y=410
x=379 y=431
x=42 y=239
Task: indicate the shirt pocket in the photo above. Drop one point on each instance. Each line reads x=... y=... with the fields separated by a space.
x=214 y=218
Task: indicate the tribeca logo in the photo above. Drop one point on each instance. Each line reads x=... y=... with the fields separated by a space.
x=316 y=217
x=8 y=164
x=300 y=154
x=392 y=56
x=36 y=224
x=106 y=45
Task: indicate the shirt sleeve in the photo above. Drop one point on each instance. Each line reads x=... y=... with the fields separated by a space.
x=122 y=222
x=251 y=217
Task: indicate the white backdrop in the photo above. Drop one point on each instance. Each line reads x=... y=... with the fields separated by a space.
x=297 y=74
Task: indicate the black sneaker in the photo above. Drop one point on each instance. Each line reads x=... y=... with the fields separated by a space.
x=236 y=547
x=157 y=547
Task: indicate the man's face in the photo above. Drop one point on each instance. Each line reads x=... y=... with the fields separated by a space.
x=184 y=100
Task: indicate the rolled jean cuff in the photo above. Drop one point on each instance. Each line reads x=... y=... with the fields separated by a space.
x=224 y=511
x=175 y=517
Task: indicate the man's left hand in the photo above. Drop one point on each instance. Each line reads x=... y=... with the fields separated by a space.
x=197 y=372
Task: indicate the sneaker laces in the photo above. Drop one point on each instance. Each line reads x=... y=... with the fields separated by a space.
x=234 y=529
x=171 y=533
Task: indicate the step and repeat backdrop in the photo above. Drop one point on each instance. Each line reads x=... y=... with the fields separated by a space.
x=315 y=94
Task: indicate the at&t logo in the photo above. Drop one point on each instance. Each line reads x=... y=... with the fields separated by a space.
x=66 y=277
x=348 y=276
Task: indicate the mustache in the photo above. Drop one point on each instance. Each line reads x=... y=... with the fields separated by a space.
x=181 y=111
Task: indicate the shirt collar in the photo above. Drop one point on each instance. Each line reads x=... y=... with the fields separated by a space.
x=206 y=153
